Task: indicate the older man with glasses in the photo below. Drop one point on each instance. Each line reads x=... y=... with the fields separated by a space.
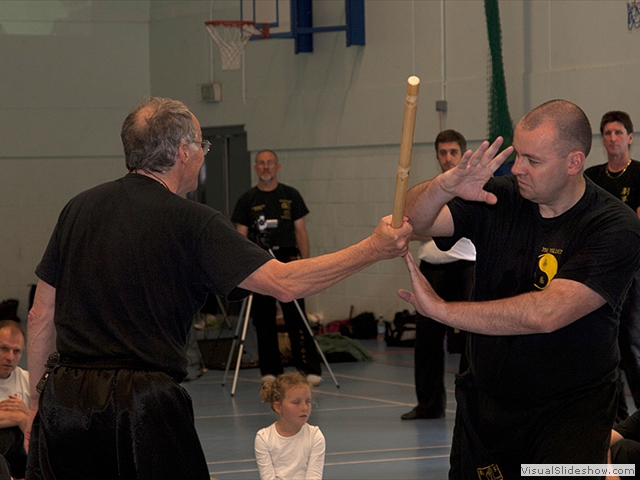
x=128 y=265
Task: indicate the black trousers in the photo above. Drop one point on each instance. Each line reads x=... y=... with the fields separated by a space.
x=5 y=469
x=303 y=349
x=114 y=424
x=305 y=355
x=493 y=436
x=13 y=457
x=629 y=343
x=453 y=282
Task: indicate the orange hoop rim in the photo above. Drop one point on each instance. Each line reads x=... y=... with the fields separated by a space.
x=229 y=23
x=263 y=27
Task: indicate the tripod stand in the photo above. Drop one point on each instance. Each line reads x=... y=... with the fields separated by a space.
x=243 y=319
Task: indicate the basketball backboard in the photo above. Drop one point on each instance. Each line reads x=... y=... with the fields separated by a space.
x=277 y=13
x=297 y=19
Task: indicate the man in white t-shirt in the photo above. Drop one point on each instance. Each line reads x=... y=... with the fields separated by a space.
x=451 y=275
x=14 y=401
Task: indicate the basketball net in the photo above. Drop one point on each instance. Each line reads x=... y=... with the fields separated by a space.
x=231 y=37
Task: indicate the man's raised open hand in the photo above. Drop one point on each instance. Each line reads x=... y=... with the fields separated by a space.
x=468 y=179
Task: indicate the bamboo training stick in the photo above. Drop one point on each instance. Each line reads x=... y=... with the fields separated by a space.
x=406 y=145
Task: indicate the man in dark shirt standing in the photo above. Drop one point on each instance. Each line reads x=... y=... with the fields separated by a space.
x=272 y=215
x=550 y=283
x=620 y=176
x=451 y=275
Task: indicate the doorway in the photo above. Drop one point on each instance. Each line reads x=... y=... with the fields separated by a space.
x=226 y=173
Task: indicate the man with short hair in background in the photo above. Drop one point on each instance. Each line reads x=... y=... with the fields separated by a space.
x=620 y=176
x=451 y=275
x=14 y=401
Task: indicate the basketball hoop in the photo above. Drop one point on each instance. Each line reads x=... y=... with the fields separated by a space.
x=231 y=37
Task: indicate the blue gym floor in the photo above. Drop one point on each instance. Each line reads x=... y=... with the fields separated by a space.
x=366 y=439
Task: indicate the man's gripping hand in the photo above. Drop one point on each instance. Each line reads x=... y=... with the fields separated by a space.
x=388 y=242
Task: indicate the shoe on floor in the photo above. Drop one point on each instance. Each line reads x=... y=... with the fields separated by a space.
x=314 y=380
x=416 y=414
x=199 y=324
x=268 y=378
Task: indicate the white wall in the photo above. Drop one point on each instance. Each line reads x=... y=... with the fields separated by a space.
x=333 y=115
x=347 y=191
x=70 y=72
x=336 y=96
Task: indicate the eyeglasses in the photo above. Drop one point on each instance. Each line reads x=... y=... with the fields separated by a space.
x=206 y=146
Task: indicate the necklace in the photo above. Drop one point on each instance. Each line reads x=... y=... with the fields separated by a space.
x=167 y=186
x=616 y=174
x=152 y=175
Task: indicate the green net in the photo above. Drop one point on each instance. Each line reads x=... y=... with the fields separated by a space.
x=500 y=123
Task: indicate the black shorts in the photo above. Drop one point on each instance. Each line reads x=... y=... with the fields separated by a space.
x=108 y=424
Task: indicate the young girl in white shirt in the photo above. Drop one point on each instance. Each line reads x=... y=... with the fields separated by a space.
x=289 y=449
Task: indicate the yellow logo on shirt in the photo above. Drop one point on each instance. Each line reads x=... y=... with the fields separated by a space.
x=286 y=209
x=547 y=269
x=624 y=194
x=492 y=472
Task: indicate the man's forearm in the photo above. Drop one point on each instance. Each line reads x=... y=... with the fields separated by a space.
x=510 y=316
x=41 y=336
x=299 y=279
x=424 y=206
x=302 y=241
x=14 y=419
x=561 y=303
x=302 y=237
x=525 y=314
x=288 y=281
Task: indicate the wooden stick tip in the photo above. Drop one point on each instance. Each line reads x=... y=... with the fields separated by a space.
x=413 y=81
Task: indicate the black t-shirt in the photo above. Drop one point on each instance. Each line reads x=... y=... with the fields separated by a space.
x=132 y=263
x=625 y=187
x=270 y=216
x=596 y=242
x=630 y=427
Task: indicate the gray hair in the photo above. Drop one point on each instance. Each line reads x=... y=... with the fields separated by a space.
x=153 y=132
x=267 y=150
